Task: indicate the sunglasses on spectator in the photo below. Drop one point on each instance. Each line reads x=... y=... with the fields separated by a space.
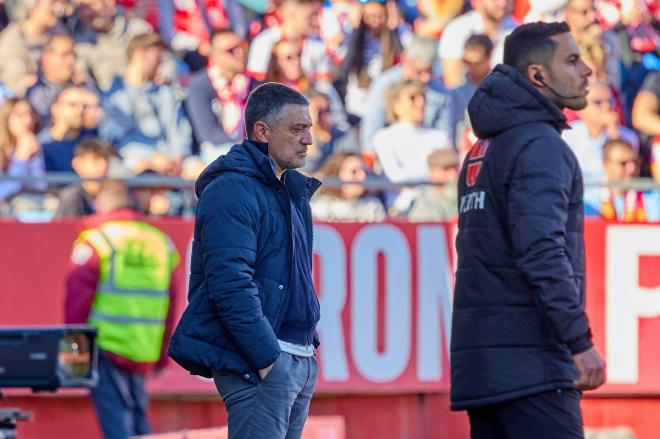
x=235 y=49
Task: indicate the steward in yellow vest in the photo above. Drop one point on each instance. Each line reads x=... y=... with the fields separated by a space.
x=121 y=283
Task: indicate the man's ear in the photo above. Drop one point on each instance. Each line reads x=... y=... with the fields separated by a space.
x=261 y=131
x=536 y=75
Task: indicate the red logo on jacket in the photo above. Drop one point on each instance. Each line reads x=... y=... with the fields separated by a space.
x=475 y=161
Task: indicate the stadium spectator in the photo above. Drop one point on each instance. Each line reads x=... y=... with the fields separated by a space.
x=217 y=95
x=156 y=201
x=416 y=64
x=436 y=201
x=20 y=151
x=476 y=58
x=298 y=23
x=646 y=119
x=337 y=20
x=66 y=129
x=598 y=123
x=58 y=63
x=121 y=282
x=143 y=119
x=403 y=147
x=327 y=136
x=349 y=201
x=489 y=17
x=185 y=27
x=600 y=49
x=21 y=43
x=91 y=160
x=621 y=164
x=372 y=48
x=102 y=38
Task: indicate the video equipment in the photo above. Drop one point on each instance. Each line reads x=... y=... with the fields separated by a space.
x=45 y=359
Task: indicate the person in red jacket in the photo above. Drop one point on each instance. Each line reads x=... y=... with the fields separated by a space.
x=121 y=282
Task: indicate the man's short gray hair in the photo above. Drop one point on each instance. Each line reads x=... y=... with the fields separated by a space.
x=422 y=50
x=266 y=101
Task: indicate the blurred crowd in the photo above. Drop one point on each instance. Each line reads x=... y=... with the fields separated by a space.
x=122 y=88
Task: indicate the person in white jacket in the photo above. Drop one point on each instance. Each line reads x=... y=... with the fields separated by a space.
x=403 y=147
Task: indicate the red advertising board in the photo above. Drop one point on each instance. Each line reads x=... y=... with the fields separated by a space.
x=385 y=293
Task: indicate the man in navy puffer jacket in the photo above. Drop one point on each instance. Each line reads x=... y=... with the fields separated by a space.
x=521 y=347
x=252 y=312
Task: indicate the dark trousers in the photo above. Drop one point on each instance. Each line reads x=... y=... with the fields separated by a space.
x=274 y=408
x=120 y=401
x=549 y=415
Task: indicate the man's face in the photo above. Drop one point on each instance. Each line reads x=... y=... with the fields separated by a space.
x=410 y=105
x=301 y=19
x=59 y=60
x=477 y=63
x=580 y=14
x=414 y=69
x=567 y=74
x=97 y=14
x=68 y=108
x=90 y=165
x=289 y=137
x=621 y=164
x=495 y=10
x=228 y=52
x=600 y=104
x=443 y=174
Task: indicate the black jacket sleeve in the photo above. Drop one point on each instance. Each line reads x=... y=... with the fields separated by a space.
x=539 y=196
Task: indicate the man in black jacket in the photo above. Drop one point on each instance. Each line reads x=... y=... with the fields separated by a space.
x=521 y=347
x=252 y=312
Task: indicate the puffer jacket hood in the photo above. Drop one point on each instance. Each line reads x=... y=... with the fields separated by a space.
x=505 y=99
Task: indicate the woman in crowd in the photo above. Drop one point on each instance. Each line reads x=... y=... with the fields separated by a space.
x=349 y=201
x=20 y=151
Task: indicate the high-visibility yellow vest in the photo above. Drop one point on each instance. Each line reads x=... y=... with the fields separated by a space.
x=132 y=298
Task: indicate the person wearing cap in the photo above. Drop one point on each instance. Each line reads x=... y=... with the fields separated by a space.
x=121 y=282
x=144 y=118
x=416 y=63
x=436 y=201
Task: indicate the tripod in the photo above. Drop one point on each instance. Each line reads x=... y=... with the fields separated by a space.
x=8 y=419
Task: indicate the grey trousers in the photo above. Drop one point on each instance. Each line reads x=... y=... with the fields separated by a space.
x=274 y=408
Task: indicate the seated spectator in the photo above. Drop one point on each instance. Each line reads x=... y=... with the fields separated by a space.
x=185 y=27
x=646 y=119
x=416 y=64
x=66 y=129
x=145 y=120
x=350 y=201
x=328 y=138
x=21 y=43
x=20 y=151
x=372 y=48
x=489 y=17
x=432 y=202
x=102 y=38
x=621 y=164
x=58 y=63
x=217 y=95
x=91 y=159
x=157 y=201
x=286 y=67
x=337 y=20
x=582 y=18
x=598 y=123
x=298 y=23
x=403 y=147
x=478 y=50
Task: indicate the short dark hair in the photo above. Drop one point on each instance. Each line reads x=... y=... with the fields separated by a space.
x=95 y=146
x=531 y=44
x=267 y=101
x=482 y=42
